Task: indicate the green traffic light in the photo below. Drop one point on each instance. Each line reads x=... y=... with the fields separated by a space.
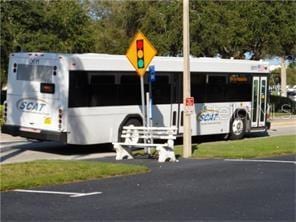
x=140 y=63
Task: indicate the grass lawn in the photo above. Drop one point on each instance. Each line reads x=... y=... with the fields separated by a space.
x=247 y=148
x=281 y=115
x=49 y=172
x=1 y=115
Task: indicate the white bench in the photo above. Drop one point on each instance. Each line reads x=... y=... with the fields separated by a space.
x=143 y=137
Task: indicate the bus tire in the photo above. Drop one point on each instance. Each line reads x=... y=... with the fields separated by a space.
x=129 y=122
x=237 y=128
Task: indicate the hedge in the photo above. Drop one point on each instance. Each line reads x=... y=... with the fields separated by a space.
x=282 y=104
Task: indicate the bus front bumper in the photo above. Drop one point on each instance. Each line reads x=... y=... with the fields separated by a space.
x=45 y=135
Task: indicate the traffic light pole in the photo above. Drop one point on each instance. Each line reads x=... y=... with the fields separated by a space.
x=187 y=150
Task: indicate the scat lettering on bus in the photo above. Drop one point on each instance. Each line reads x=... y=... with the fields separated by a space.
x=208 y=115
x=31 y=105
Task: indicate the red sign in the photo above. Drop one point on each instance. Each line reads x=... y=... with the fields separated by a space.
x=189 y=101
x=189 y=104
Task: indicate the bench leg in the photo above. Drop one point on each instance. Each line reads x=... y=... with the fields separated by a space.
x=166 y=153
x=121 y=153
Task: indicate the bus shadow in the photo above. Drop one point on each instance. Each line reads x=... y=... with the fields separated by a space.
x=62 y=149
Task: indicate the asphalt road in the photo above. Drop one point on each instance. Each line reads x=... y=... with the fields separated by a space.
x=197 y=190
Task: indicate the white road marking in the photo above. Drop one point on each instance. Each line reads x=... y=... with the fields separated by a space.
x=71 y=194
x=263 y=161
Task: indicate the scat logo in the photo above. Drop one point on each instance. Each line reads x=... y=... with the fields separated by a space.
x=32 y=105
x=208 y=115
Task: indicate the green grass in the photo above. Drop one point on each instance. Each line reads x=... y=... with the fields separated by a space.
x=1 y=115
x=247 y=148
x=50 y=172
x=278 y=114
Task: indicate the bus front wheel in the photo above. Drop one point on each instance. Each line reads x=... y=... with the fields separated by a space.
x=237 y=128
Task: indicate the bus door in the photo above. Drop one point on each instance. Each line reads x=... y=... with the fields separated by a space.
x=259 y=100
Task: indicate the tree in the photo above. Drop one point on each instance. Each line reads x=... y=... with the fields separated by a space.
x=59 y=26
x=291 y=76
x=218 y=28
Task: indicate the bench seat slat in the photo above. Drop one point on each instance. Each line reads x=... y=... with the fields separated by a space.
x=141 y=144
x=150 y=128
x=150 y=137
x=147 y=132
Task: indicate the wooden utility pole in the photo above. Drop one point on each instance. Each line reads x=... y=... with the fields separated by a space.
x=283 y=77
x=187 y=150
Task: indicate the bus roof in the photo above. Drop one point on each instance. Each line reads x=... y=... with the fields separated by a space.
x=107 y=62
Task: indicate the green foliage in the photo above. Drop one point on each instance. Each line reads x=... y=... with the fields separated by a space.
x=58 y=26
x=282 y=104
x=291 y=75
x=226 y=28
x=50 y=172
x=1 y=115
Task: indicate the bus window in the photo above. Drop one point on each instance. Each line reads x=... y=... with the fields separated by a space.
x=103 y=90
x=215 y=88
x=78 y=89
x=38 y=73
x=198 y=87
x=239 y=88
x=129 y=90
x=161 y=90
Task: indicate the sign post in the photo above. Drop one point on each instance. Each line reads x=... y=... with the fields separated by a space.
x=187 y=149
x=140 y=54
x=151 y=80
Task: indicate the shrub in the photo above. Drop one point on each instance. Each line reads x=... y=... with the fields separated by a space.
x=282 y=104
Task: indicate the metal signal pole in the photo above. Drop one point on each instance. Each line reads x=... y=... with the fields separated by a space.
x=187 y=150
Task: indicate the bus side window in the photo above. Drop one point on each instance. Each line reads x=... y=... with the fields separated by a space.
x=129 y=90
x=161 y=90
x=240 y=88
x=198 y=87
x=103 y=90
x=215 y=88
x=78 y=89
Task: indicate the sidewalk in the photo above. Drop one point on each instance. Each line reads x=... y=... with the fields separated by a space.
x=283 y=121
x=19 y=149
x=5 y=139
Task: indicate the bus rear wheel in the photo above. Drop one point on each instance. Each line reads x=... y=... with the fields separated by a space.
x=237 y=128
x=132 y=122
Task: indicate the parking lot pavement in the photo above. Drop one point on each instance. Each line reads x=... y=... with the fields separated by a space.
x=51 y=151
x=18 y=149
x=5 y=138
x=197 y=190
x=7 y=142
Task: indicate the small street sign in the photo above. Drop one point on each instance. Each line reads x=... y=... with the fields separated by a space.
x=152 y=77
x=140 y=53
x=189 y=105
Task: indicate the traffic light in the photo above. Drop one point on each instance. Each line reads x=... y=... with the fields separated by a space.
x=140 y=53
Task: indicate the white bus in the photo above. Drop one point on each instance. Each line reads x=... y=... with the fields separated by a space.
x=88 y=98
